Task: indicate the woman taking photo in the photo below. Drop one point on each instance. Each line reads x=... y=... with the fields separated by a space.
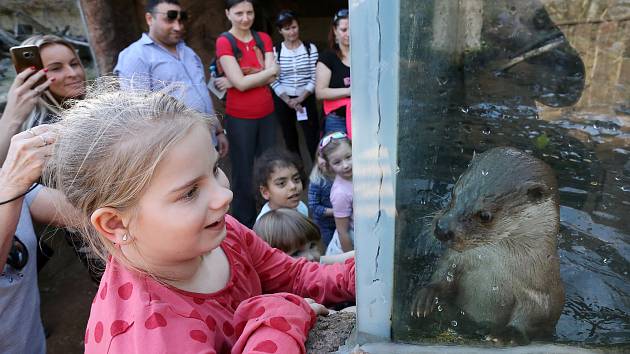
x=294 y=99
x=29 y=105
x=333 y=76
x=250 y=121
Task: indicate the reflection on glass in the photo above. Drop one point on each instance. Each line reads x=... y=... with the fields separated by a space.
x=548 y=78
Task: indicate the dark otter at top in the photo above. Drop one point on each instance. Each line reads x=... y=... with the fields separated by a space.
x=501 y=267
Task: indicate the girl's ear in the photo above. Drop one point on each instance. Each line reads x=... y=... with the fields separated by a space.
x=227 y=13
x=264 y=191
x=108 y=222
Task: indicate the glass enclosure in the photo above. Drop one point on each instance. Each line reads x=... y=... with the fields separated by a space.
x=532 y=241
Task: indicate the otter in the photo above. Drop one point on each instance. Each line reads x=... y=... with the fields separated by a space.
x=501 y=265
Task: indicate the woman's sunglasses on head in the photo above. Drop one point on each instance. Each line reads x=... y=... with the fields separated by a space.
x=173 y=15
x=343 y=13
x=284 y=16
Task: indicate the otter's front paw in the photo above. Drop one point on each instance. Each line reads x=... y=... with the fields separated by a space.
x=424 y=301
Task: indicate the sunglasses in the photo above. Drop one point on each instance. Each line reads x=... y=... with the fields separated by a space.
x=341 y=14
x=173 y=15
x=284 y=16
x=18 y=254
x=328 y=138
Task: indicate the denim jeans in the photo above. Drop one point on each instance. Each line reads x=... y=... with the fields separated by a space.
x=334 y=123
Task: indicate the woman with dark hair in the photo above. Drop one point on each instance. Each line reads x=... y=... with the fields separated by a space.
x=246 y=57
x=333 y=76
x=294 y=99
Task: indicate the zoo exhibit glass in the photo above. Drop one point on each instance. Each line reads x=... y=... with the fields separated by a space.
x=173 y=15
x=548 y=80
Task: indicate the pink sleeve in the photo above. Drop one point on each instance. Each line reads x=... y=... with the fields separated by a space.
x=160 y=330
x=326 y=284
x=276 y=323
x=341 y=203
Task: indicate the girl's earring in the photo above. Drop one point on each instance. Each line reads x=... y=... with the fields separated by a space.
x=125 y=237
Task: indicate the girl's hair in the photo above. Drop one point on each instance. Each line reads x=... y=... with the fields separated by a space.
x=285 y=18
x=332 y=40
x=231 y=3
x=271 y=159
x=317 y=174
x=333 y=142
x=45 y=105
x=286 y=229
x=108 y=147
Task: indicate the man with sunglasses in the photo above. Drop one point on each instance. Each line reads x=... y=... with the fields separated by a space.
x=160 y=60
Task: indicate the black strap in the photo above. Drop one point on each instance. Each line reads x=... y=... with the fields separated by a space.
x=259 y=42
x=232 y=40
x=19 y=196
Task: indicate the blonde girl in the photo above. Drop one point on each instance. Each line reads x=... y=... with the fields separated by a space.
x=320 y=183
x=336 y=149
x=181 y=275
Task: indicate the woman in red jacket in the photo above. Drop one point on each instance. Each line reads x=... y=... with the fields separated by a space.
x=250 y=123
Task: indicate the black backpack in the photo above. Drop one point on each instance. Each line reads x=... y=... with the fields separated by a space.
x=237 y=52
x=307 y=45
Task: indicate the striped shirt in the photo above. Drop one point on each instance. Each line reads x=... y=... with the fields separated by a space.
x=297 y=71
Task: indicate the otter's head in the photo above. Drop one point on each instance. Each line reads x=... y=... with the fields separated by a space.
x=505 y=195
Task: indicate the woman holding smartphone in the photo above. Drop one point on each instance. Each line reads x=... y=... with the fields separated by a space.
x=28 y=104
x=250 y=122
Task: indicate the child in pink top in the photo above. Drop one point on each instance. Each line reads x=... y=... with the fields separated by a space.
x=336 y=148
x=182 y=276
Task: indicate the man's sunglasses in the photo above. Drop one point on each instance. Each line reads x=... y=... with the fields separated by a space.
x=330 y=137
x=18 y=255
x=173 y=15
x=341 y=14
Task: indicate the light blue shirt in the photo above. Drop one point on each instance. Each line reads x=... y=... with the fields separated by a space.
x=147 y=65
x=301 y=208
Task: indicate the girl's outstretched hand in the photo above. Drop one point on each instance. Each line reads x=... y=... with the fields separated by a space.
x=23 y=95
x=318 y=308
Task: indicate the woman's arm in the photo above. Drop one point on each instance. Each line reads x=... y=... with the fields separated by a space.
x=322 y=81
x=22 y=167
x=343 y=226
x=50 y=207
x=242 y=82
x=21 y=100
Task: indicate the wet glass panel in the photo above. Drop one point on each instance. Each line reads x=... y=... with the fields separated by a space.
x=513 y=194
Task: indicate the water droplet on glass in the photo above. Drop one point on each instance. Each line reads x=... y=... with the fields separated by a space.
x=607 y=261
x=479 y=256
x=625 y=188
x=462 y=313
x=454 y=323
x=484 y=173
x=486 y=131
x=495 y=288
x=453 y=265
x=594 y=183
x=440 y=309
x=397 y=171
x=464 y=110
x=617 y=178
x=449 y=277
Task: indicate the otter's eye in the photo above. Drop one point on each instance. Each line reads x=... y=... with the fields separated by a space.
x=485 y=216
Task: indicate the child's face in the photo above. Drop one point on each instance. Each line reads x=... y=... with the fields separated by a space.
x=283 y=189
x=340 y=161
x=309 y=250
x=181 y=215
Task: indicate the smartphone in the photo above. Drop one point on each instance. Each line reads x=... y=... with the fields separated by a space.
x=24 y=57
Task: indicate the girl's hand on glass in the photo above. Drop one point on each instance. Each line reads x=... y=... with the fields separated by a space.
x=26 y=157
x=318 y=308
x=23 y=95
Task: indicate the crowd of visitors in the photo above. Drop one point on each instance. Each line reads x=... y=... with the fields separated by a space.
x=134 y=170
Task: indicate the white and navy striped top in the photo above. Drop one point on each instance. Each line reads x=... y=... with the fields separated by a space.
x=297 y=70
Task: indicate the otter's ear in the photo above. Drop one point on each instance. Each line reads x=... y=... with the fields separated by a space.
x=535 y=191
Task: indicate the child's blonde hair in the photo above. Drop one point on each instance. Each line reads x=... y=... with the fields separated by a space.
x=318 y=174
x=108 y=147
x=286 y=229
x=331 y=142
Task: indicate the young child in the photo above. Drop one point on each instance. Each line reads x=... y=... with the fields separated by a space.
x=336 y=149
x=295 y=235
x=181 y=275
x=280 y=179
x=321 y=181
